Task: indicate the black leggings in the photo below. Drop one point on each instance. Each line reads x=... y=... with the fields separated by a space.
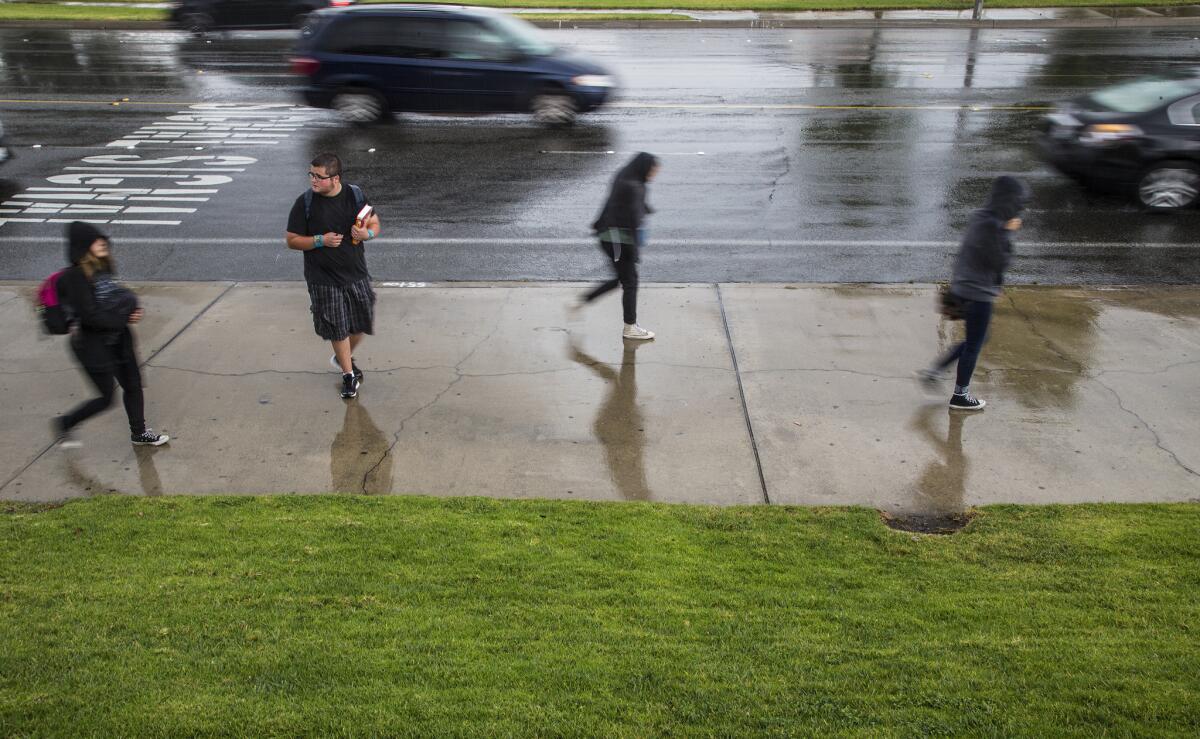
x=627 y=278
x=977 y=315
x=124 y=372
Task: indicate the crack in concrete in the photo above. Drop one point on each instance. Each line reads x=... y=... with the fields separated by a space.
x=787 y=168
x=1157 y=439
x=1168 y=368
x=459 y=375
x=829 y=370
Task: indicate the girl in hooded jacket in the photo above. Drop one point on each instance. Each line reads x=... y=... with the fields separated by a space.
x=979 y=269
x=101 y=312
x=620 y=229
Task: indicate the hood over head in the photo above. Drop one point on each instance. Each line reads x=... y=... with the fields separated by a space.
x=1008 y=198
x=80 y=236
x=639 y=167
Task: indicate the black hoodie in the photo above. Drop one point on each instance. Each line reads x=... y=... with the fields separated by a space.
x=986 y=249
x=626 y=207
x=100 y=307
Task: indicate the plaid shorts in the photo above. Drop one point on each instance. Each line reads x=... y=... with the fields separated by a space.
x=341 y=310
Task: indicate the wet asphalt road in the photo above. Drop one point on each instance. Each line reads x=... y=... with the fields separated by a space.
x=761 y=181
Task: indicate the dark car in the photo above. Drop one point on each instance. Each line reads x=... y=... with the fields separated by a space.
x=201 y=16
x=366 y=61
x=1141 y=136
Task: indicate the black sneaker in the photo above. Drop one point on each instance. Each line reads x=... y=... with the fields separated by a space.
x=357 y=372
x=63 y=438
x=149 y=438
x=349 y=386
x=966 y=402
x=931 y=380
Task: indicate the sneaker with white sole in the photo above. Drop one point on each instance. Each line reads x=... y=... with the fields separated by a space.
x=63 y=438
x=149 y=438
x=634 y=331
x=350 y=385
x=966 y=402
x=357 y=372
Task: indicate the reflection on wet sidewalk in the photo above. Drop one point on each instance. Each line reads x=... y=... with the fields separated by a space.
x=619 y=425
x=941 y=489
x=359 y=458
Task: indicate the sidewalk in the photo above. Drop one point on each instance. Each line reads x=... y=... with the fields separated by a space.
x=1175 y=16
x=484 y=390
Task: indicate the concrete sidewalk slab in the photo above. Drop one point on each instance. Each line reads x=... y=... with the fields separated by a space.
x=485 y=389
x=1085 y=389
x=39 y=378
x=469 y=391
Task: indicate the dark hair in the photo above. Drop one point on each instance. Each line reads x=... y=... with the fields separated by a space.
x=329 y=162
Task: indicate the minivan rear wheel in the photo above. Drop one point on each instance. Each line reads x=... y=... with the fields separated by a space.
x=554 y=109
x=358 y=106
x=1168 y=186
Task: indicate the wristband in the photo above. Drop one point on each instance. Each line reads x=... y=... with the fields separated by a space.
x=370 y=234
x=319 y=241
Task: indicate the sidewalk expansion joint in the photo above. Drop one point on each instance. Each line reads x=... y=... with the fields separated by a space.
x=762 y=480
x=188 y=325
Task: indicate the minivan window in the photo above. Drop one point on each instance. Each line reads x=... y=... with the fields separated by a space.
x=470 y=40
x=525 y=37
x=1148 y=93
x=412 y=38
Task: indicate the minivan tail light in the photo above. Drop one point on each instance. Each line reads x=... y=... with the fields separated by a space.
x=306 y=66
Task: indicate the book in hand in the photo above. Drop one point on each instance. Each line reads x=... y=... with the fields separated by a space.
x=363 y=218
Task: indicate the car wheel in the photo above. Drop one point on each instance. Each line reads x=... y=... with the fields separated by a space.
x=197 y=24
x=554 y=109
x=358 y=106
x=1170 y=186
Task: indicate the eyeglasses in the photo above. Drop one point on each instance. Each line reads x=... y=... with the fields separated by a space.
x=315 y=176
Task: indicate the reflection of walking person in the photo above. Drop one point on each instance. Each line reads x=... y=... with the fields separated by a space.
x=101 y=311
x=943 y=485
x=358 y=457
x=323 y=224
x=619 y=425
x=978 y=274
x=620 y=227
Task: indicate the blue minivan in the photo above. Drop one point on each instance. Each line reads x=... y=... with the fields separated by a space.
x=365 y=61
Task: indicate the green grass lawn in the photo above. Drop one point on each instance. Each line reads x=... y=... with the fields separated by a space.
x=470 y=617
x=48 y=12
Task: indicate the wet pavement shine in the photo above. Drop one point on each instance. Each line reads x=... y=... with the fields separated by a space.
x=751 y=394
x=833 y=155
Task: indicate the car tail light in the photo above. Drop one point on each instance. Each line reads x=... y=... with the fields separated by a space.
x=1107 y=133
x=341 y=3
x=304 y=65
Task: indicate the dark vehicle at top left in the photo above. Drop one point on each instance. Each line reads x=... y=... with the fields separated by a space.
x=201 y=16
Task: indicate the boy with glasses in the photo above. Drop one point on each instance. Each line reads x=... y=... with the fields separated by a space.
x=323 y=225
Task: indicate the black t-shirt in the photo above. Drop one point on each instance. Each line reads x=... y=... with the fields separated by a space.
x=327 y=265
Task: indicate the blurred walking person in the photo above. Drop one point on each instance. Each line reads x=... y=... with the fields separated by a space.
x=101 y=311
x=621 y=230
x=983 y=258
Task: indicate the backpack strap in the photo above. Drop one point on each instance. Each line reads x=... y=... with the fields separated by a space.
x=359 y=199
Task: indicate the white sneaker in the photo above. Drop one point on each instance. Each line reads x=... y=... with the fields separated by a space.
x=634 y=331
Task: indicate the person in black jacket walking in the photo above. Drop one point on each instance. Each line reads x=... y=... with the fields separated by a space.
x=101 y=312
x=979 y=269
x=620 y=228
